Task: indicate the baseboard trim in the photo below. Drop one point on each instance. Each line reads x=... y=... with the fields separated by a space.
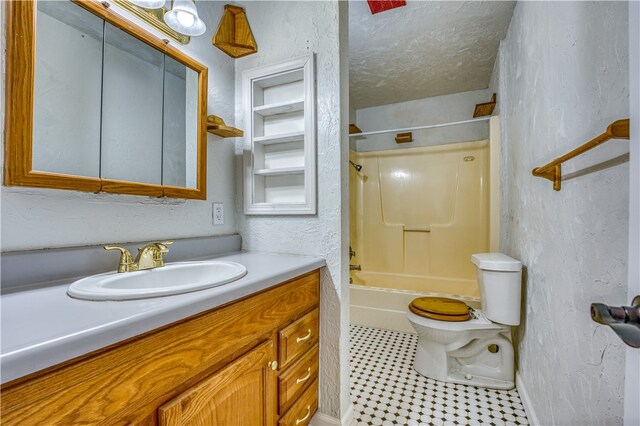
x=348 y=418
x=321 y=419
x=526 y=401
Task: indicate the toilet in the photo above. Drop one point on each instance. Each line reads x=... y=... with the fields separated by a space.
x=459 y=344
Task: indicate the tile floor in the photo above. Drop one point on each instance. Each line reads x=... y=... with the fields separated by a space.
x=385 y=390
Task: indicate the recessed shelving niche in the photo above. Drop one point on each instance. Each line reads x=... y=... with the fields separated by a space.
x=280 y=142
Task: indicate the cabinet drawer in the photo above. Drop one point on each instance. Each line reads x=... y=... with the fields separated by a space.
x=297 y=338
x=303 y=409
x=296 y=378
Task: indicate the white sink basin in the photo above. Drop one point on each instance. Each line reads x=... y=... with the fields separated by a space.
x=173 y=278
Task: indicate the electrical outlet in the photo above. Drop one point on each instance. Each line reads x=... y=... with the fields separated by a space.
x=218 y=214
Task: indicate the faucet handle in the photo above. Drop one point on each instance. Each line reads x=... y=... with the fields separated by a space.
x=162 y=247
x=126 y=260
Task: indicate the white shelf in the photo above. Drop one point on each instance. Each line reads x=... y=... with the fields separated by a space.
x=280 y=138
x=281 y=171
x=279 y=78
x=280 y=108
x=280 y=142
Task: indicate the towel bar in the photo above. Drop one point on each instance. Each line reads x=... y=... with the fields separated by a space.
x=553 y=170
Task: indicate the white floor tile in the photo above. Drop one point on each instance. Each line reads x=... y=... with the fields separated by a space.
x=386 y=390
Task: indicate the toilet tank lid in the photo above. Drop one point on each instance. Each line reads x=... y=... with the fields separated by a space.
x=496 y=262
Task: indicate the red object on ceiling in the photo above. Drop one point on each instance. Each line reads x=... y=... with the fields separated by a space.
x=378 y=6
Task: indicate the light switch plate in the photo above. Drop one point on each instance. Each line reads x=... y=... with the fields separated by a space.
x=218 y=214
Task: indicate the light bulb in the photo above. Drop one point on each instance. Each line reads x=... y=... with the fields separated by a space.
x=185 y=18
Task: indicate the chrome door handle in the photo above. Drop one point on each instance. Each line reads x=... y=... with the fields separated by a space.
x=624 y=320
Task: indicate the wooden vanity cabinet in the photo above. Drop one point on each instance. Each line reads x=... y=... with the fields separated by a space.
x=240 y=393
x=221 y=367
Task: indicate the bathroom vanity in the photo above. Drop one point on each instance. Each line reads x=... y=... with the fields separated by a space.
x=251 y=360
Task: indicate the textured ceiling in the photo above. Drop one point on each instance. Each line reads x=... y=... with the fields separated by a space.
x=427 y=48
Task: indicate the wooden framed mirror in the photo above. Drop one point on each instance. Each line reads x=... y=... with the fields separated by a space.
x=95 y=103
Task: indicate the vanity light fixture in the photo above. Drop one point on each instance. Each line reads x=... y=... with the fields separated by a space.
x=149 y=4
x=183 y=18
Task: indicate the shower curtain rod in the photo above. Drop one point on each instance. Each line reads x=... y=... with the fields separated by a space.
x=408 y=129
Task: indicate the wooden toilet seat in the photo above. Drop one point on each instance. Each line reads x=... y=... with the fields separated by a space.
x=440 y=308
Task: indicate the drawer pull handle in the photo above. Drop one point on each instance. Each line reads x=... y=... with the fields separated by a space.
x=273 y=365
x=305 y=378
x=306 y=416
x=307 y=337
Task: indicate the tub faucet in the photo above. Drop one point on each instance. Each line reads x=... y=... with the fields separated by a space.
x=149 y=257
x=355 y=268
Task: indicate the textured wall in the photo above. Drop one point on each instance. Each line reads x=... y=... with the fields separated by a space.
x=632 y=388
x=423 y=112
x=563 y=79
x=37 y=218
x=285 y=30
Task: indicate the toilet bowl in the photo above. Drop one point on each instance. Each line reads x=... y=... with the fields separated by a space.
x=478 y=351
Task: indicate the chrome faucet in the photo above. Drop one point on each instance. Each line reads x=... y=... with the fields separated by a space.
x=149 y=257
x=355 y=268
x=352 y=253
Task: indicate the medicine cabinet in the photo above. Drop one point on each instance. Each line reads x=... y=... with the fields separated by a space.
x=280 y=138
x=95 y=103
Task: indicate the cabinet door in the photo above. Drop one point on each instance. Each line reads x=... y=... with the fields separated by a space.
x=242 y=393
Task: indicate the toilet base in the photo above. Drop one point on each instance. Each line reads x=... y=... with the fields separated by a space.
x=472 y=364
x=479 y=381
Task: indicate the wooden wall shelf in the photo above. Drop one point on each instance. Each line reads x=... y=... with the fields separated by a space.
x=486 y=108
x=354 y=129
x=404 y=137
x=217 y=126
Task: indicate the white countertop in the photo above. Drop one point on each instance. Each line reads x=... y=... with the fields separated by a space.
x=44 y=327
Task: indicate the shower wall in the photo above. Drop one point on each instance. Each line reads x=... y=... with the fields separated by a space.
x=417 y=216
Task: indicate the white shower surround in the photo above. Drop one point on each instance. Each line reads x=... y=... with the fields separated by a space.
x=563 y=77
x=35 y=218
x=286 y=30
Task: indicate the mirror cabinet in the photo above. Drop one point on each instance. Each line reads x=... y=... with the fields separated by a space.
x=95 y=103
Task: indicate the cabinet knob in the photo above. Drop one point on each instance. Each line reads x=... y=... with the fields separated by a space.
x=273 y=365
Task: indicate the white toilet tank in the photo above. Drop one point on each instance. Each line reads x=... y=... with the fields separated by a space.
x=500 y=281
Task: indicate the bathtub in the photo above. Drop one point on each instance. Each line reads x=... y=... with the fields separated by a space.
x=377 y=302
x=417 y=215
